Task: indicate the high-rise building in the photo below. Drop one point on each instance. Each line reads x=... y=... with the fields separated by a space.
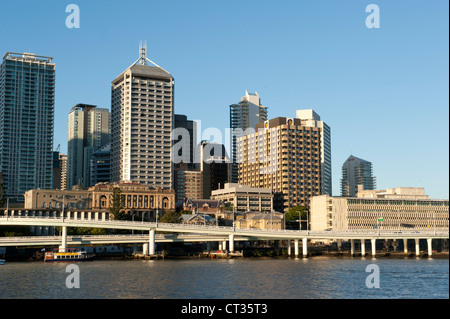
x=142 y=116
x=89 y=129
x=185 y=144
x=59 y=171
x=285 y=156
x=214 y=166
x=101 y=165
x=243 y=116
x=312 y=119
x=27 y=98
x=356 y=171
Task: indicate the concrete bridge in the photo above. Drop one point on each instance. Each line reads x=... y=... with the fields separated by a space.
x=222 y=233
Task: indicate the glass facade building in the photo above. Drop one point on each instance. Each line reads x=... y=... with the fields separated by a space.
x=356 y=171
x=27 y=97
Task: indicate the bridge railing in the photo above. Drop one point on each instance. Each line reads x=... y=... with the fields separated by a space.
x=215 y=228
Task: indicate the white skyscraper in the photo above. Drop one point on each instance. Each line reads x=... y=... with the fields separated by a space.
x=88 y=131
x=244 y=115
x=142 y=116
x=312 y=119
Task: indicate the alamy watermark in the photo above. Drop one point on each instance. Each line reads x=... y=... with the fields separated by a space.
x=260 y=147
x=73 y=19
x=73 y=280
x=373 y=19
x=373 y=279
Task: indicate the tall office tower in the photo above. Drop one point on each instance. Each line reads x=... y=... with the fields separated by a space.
x=285 y=156
x=244 y=115
x=356 y=171
x=27 y=98
x=312 y=119
x=59 y=171
x=185 y=144
x=214 y=166
x=89 y=129
x=142 y=113
x=101 y=165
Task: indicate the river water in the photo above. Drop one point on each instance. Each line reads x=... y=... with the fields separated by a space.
x=317 y=278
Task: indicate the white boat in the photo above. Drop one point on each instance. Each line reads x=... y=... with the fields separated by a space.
x=68 y=254
x=2 y=261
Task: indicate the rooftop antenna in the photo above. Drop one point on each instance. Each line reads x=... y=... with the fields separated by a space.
x=143 y=57
x=143 y=53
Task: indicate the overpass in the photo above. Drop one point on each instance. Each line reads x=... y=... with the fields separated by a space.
x=231 y=234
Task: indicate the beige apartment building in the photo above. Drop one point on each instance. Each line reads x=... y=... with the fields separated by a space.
x=136 y=198
x=284 y=156
x=402 y=208
x=243 y=198
x=142 y=112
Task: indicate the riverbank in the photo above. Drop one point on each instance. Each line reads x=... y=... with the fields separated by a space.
x=35 y=254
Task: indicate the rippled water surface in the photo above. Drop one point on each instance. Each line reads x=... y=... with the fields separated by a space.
x=318 y=277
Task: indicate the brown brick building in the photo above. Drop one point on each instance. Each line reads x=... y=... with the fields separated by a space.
x=137 y=199
x=285 y=156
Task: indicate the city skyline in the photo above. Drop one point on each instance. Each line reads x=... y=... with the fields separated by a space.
x=383 y=92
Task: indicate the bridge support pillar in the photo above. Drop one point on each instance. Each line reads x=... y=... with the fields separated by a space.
x=224 y=245
x=289 y=248
x=417 y=247
x=405 y=245
x=64 y=238
x=374 y=247
x=296 y=247
x=231 y=239
x=151 y=247
x=363 y=247
x=430 y=248
x=305 y=247
x=352 y=247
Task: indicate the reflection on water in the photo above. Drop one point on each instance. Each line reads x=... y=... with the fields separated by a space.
x=318 y=277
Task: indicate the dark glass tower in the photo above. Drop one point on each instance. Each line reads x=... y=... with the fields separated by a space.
x=27 y=97
x=356 y=171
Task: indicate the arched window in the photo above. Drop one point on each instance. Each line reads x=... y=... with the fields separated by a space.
x=165 y=203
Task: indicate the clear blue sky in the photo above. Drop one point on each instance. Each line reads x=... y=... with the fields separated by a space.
x=384 y=92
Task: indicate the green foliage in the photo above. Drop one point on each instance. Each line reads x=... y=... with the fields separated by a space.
x=171 y=217
x=229 y=207
x=15 y=231
x=296 y=213
x=257 y=253
x=116 y=208
x=86 y=231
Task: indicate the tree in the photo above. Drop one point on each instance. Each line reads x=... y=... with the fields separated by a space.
x=171 y=217
x=296 y=213
x=117 y=208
